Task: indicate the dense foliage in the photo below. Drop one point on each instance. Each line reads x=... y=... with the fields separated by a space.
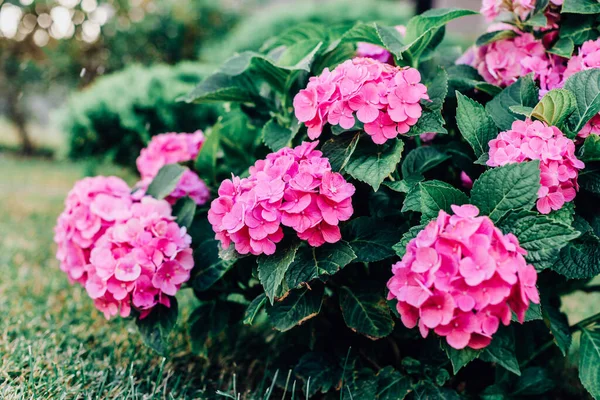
x=117 y=115
x=421 y=245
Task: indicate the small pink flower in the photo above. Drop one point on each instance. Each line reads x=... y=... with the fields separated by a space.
x=169 y=277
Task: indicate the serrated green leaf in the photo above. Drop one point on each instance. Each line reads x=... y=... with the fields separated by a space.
x=533 y=382
x=579 y=28
x=475 y=125
x=431 y=121
x=437 y=89
x=206 y=162
x=400 y=247
x=365 y=311
x=589 y=359
x=184 y=211
x=521 y=93
x=421 y=160
x=460 y=358
x=563 y=48
x=555 y=107
x=538 y=20
x=559 y=327
x=276 y=136
x=522 y=110
x=300 y=55
x=494 y=36
x=317 y=368
x=581 y=7
x=391 y=39
x=412 y=201
x=502 y=350
x=208 y=266
x=438 y=195
x=590 y=151
x=272 y=269
x=511 y=187
x=339 y=149
x=253 y=308
x=165 y=181
x=426 y=390
x=156 y=326
x=405 y=185
x=220 y=87
x=315 y=262
x=297 y=307
x=372 y=163
x=370 y=244
x=580 y=259
x=391 y=384
x=585 y=85
x=206 y=322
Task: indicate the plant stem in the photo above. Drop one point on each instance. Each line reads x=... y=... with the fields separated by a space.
x=590 y=289
x=573 y=328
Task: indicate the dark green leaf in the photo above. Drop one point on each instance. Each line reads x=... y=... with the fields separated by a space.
x=559 y=326
x=272 y=269
x=157 y=325
x=589 y=359
x=372 y=163
x=579 y=28
x=580 y=259
x=438 y=195
x=522 y=110
x=276 y=136
x=533 y=382
x=206 y=162
x=165 y=181
x=426 y=390
x=460 y=358
x=317 y=368
x=476 y=126
x=563 y=48
x=339 y=149
x=405 y=185
x=494 y=36
x=430 y=121
x=371 y=238
x=253 y=308
x=581 y=7
x=521 y=93
x=220 y=87
x=314 y=262
x=555 y=107
x=299 y=306
x=437 y=89
x=184 y=210
x=206 y=322
x=400 y=247
x=502 y=350
x=208 y=266
x=412 y=201
x=585 y=85
x=391 y=384
x=391 y=39
x=502 y=189
x=591 y=149
x=365 y=311
x=421 y=160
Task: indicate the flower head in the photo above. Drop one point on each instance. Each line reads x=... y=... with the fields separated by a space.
x=460 y=277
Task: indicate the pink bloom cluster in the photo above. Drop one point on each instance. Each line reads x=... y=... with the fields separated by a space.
x=292 y=187
x=170 y=148
x=460 y=277
x=91 y=207
x=139 y=262
x=385 y=98
x=123 y=251
x=491 y=9
x=534 y=140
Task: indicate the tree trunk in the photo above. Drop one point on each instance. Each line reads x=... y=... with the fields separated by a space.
x=17 y=117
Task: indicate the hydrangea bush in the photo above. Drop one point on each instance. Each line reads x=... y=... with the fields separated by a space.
x=420 y=248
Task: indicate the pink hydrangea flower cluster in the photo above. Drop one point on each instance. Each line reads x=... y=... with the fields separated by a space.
x=92 y=206
x=461 y=277
x=139 y=262
x=125 y=251
x=383 y=97
x=292 y=187
x=491 y=9
x=169 y=148
x=535 y=140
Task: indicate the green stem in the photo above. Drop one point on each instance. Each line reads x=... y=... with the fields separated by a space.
x=573 y=328
x=590 y=289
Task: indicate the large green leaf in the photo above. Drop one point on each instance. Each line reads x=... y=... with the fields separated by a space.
x=206 y=322
x=502 y=350
x=272 y=269
x=590 y=151
x=475 y=125
x=494 y=36
x=371 y=238
x=339 y=149
x=431 y=121
x=165 y=181
x=421 y=160
x=206 y=162
x=502 y=189
x=438 y=195
x=156 y=326
x=391 y=384
x=208 y=266
x=276 y=136
x=581 y=7
x=400 y=247
x=322 y=373
x=563 y=48
x=372 y=163
x=580 y=259
x=555 y=107
x=521 y=93
x=299 y=306
x=589 y=359
x=533 y=381
x=559 y=326
x=585 y=85
x=365 y=311
x=314 y=262
x=463 y=78
x=220 y=87
x=460 y=358
x=253 y=308
x=579 y=28
x=184 y=211
x=437 y=89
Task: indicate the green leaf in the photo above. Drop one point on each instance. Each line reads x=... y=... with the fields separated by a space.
x=563 y=48
x=589 y=359
x=506 y=188
x=298 y=33
x=253 y=308
x=300 y=55
x=430 y=121
x=537 y=20
x=157 y=326
x=391 y=39
x=580 y=259
x=276 y=136
x=581 y=7
x=585 y=85
x=339 y=149
x=590 y=151
x=438 y=195
x=365 y=311
x=371 y=238
x=502 y=350
x=206 y=322
x=542 y=237
x=494 y=36
x=372 y=163
x=521 y=93
x=460 y=358
x=475 y=125
x=463 y=78
x=220 y=87
x=359 y=385
x=437 y=89
x=555 y=107
x=559 y=326
x=426 y=390
x=391 y=384
x=208 y=266
x=184 y=211
x=405 y=185
x=522 y=110
x=421 y=160
x=206 y=162
x=412 y=201
x=400 y=247
x=299 y=306
x=579 y=28
x=272 y=269
x=314 y=262
x=533 y=382
x=362 y=32
x=317 y=368
x=165 y=181
x=589 y=179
